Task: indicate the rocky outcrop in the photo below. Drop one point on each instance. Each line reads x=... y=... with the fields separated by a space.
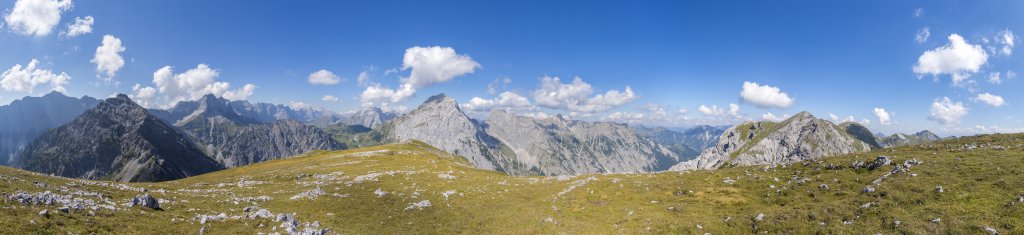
x=558 y=146
x=267 y=113
x=801 y=137
x=370 y=117
x=441 y=123
x=25 y=119
x=702 y=137
x=117 y=140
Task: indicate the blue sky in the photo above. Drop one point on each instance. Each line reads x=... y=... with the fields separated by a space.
x=827 y=57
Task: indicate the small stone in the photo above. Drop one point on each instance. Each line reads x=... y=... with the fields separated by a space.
x=867 y=190
x=939 y=189
x=44 y=213
x=759 y=217
x=896 y=223
x=202 y=230
x=823 y=186
x=936 y=220
x=991 y=230
x=879 y=162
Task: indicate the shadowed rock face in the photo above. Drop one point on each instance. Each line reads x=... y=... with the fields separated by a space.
x=116 y=140
x=25 y=119
x=236 y=140
x=798 y=138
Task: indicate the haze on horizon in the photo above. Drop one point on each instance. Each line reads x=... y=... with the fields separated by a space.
x=947 y=66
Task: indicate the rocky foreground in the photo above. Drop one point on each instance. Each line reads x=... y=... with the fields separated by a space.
x=966 y=186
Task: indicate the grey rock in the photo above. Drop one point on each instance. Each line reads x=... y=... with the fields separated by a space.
x=371 y=117
x=44 y=213
x=801 y=137
x=939 y=189
x=879 y=162
x=145 y=200
x=867 y=190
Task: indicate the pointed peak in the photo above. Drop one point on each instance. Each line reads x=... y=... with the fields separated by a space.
x=437 y=98
x=122 y=97
x=54 y=94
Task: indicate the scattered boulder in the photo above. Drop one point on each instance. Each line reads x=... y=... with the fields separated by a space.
x=939 y=189
x=419 y=205
x=145 y=200
x=44 y=213
x=856 y=165
x=991 y=230
x=880 y=162
x=823 y=186
x=867 y=190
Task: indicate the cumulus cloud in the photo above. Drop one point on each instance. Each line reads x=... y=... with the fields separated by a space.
x=428 y=65
x=108 y=59
x=712 y=110
x=25 y=79
x=990 y=99
x=435 y=64
x=995 y=78
x=575 y=96
x=193 y=84
x=324 y=77
x=1007 y=39
x=81 y=26
x=36 y=17
x=650 y=113
x=945 y=111
x=919 y=12
x=506 y=100
x=884 y=117
x=959 y=59
x=364 y=78
x=330 y=98
x=299 y=105
x=764 y=96
x=922 y=35
x=836 y=119
x=775 y=118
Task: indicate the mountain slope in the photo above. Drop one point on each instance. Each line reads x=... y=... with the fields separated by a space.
x=556 y=146
x=412 y=188
x=900 y=139
x=25 y=119
x=236 y=140
x=702 y=137
x=369 y=117
x=441 y=123
x=117 y=140
x=801 y=137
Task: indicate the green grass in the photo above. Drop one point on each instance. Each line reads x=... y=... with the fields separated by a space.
x=981 y=186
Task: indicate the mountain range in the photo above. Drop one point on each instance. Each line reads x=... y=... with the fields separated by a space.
x=238 y=133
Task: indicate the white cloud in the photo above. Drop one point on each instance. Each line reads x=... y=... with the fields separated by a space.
x=922 y=35
x=919 y=12
x=712 y=110
x=144 y=96
x=492 y=88
x=884 y=117
x=324 y=77
x=734 y=110
x=626 y=117
x=834 y=117
x=945 y=111
x=959 y=59
x=772 y=117
x=575 y=96
x=81 y=26
x=25 y=79
x=190 y=85
x=384 y=94
x=364 y=78
x=1008 y=40
x=108 y=59
x=36 y=17
x=299 y=105
x=506 y=100
x=330 y=98
x=990 y=99
x=995 y=78
x=764 y=96
x=429 y=65
x=435 y=64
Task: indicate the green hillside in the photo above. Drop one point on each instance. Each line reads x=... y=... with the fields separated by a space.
x=381 y=190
